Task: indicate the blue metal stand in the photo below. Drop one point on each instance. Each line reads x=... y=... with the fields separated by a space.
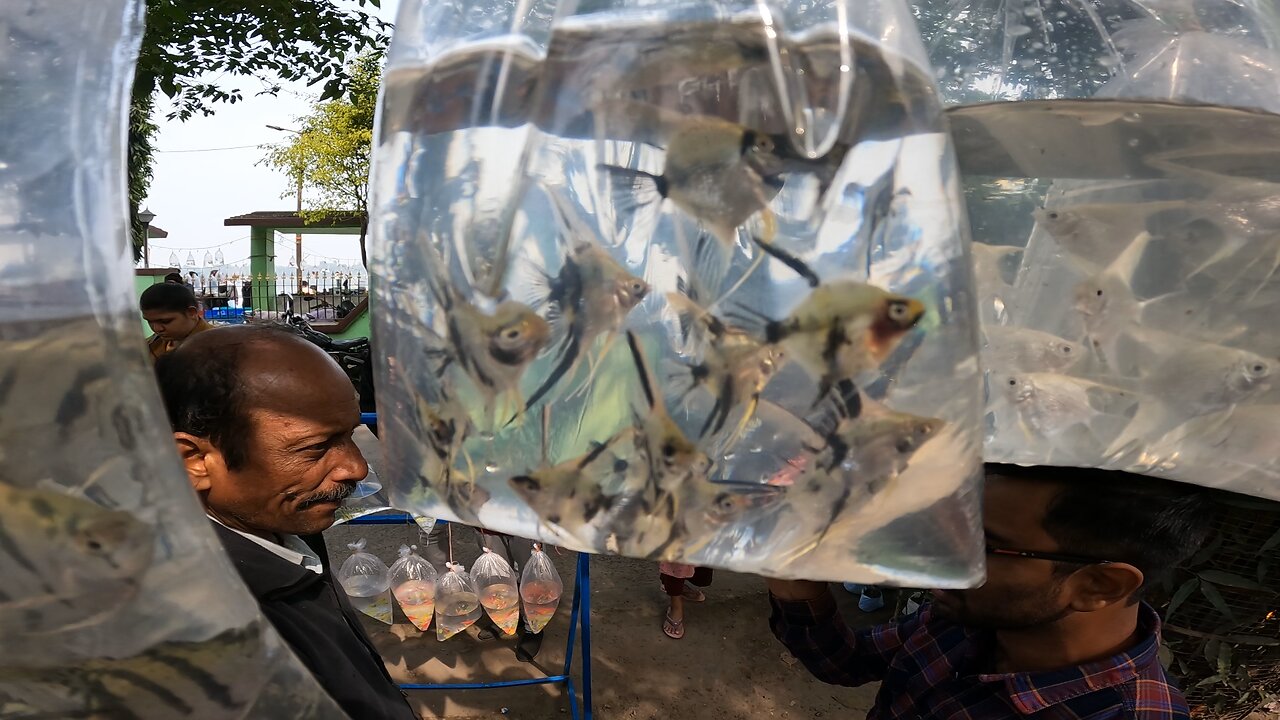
x=580 y=614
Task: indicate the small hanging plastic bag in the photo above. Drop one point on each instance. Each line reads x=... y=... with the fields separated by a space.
x=367 y=582
x=497 y=585
x=413 y=583
x=457 y=603
x=540 y=590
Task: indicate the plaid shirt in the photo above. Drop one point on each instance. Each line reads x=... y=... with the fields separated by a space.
x=931 y=668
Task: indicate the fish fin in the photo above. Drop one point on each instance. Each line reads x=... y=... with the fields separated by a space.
x=749 y=412
x=633 y=189
x=568 y=361
x=595 y=361
x=791 y=261
x=850 y=399
x=642 y=369
x=720 y=411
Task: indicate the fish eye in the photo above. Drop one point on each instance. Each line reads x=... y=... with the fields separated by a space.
x=1259 y=368
x=1053 y=215
x=1066 y=349
x=511 y=334
x=619 y=465
x=904 y=445
x=1098 y=292
x=1013 y=382
x=668 y=450
x=94 y=545
x=898 y=310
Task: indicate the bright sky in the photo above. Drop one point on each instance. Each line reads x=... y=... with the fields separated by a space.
x=204 y=173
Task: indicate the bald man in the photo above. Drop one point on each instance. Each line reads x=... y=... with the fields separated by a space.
x=263 y=422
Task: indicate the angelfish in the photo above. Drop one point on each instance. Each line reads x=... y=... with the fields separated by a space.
x=721 y=174
x=493 y=349
x=590 y=297
x=66 y=561
x=842 y=329
x=734 y=366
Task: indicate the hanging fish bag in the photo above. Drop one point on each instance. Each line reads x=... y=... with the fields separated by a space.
x=366 y=581
x=719 y=246
x=540 y=590
x=413 y=583
x=496 y=583
x=457 y=603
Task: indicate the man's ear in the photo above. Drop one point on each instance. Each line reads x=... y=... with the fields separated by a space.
x=203 y=462
x=1099 y=586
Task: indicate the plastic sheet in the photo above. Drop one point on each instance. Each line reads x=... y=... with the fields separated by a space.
x=118 y=600
x=1129 y=293
x=613 y=216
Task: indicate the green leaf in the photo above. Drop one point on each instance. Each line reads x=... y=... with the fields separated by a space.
x=1211 y=680
x=1224 y=659
x=1270 y=543
x=1210 y=592
x=1184 y=591
x=1255 y=640
x=1210 y=651
x=1205 y=553
x=1221 y=577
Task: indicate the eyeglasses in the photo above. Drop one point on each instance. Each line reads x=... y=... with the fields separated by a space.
x=1051 y=556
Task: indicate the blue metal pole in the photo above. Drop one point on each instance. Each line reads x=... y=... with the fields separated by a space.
x=584 y=576
x=573 y=618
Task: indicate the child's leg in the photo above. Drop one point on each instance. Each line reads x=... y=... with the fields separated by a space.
x=673 y=623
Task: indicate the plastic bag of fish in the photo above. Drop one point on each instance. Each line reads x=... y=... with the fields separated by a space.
x=1129 y=295
x=117 y=600
x=686 y=284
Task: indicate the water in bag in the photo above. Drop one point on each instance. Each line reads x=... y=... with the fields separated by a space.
x=367 y=583
x=457 y=603
x=721 y=244
x=413 y=583
x=1128 y=294
x=496 y=583
x=118 y=600
x=540 y=590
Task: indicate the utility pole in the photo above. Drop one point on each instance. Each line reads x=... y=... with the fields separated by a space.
x=297 y=238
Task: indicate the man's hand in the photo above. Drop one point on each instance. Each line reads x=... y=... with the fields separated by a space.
x=796 y=590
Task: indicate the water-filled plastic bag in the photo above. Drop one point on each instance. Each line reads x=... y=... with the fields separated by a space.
x=118 y=599
x=681 y=282
x=457 y=602
x=499 y=595
x=1128 y=294
x=367 y=582
x=540 y=590
x=413 y=583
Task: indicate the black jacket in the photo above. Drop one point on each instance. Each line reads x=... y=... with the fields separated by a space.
x=313 y=616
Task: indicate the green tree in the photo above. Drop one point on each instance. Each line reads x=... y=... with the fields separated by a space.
x=189 y=47
x=330 y=155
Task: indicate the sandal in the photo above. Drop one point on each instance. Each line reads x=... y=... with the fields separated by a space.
x=674 y=629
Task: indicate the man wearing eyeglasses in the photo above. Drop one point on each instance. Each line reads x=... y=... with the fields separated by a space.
x=1057 y=631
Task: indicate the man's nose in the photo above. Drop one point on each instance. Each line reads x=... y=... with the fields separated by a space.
x=352 y=467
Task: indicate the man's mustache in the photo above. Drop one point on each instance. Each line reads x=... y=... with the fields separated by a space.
x=338 y=494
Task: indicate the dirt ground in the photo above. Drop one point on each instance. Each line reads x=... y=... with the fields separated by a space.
x=727 y=666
